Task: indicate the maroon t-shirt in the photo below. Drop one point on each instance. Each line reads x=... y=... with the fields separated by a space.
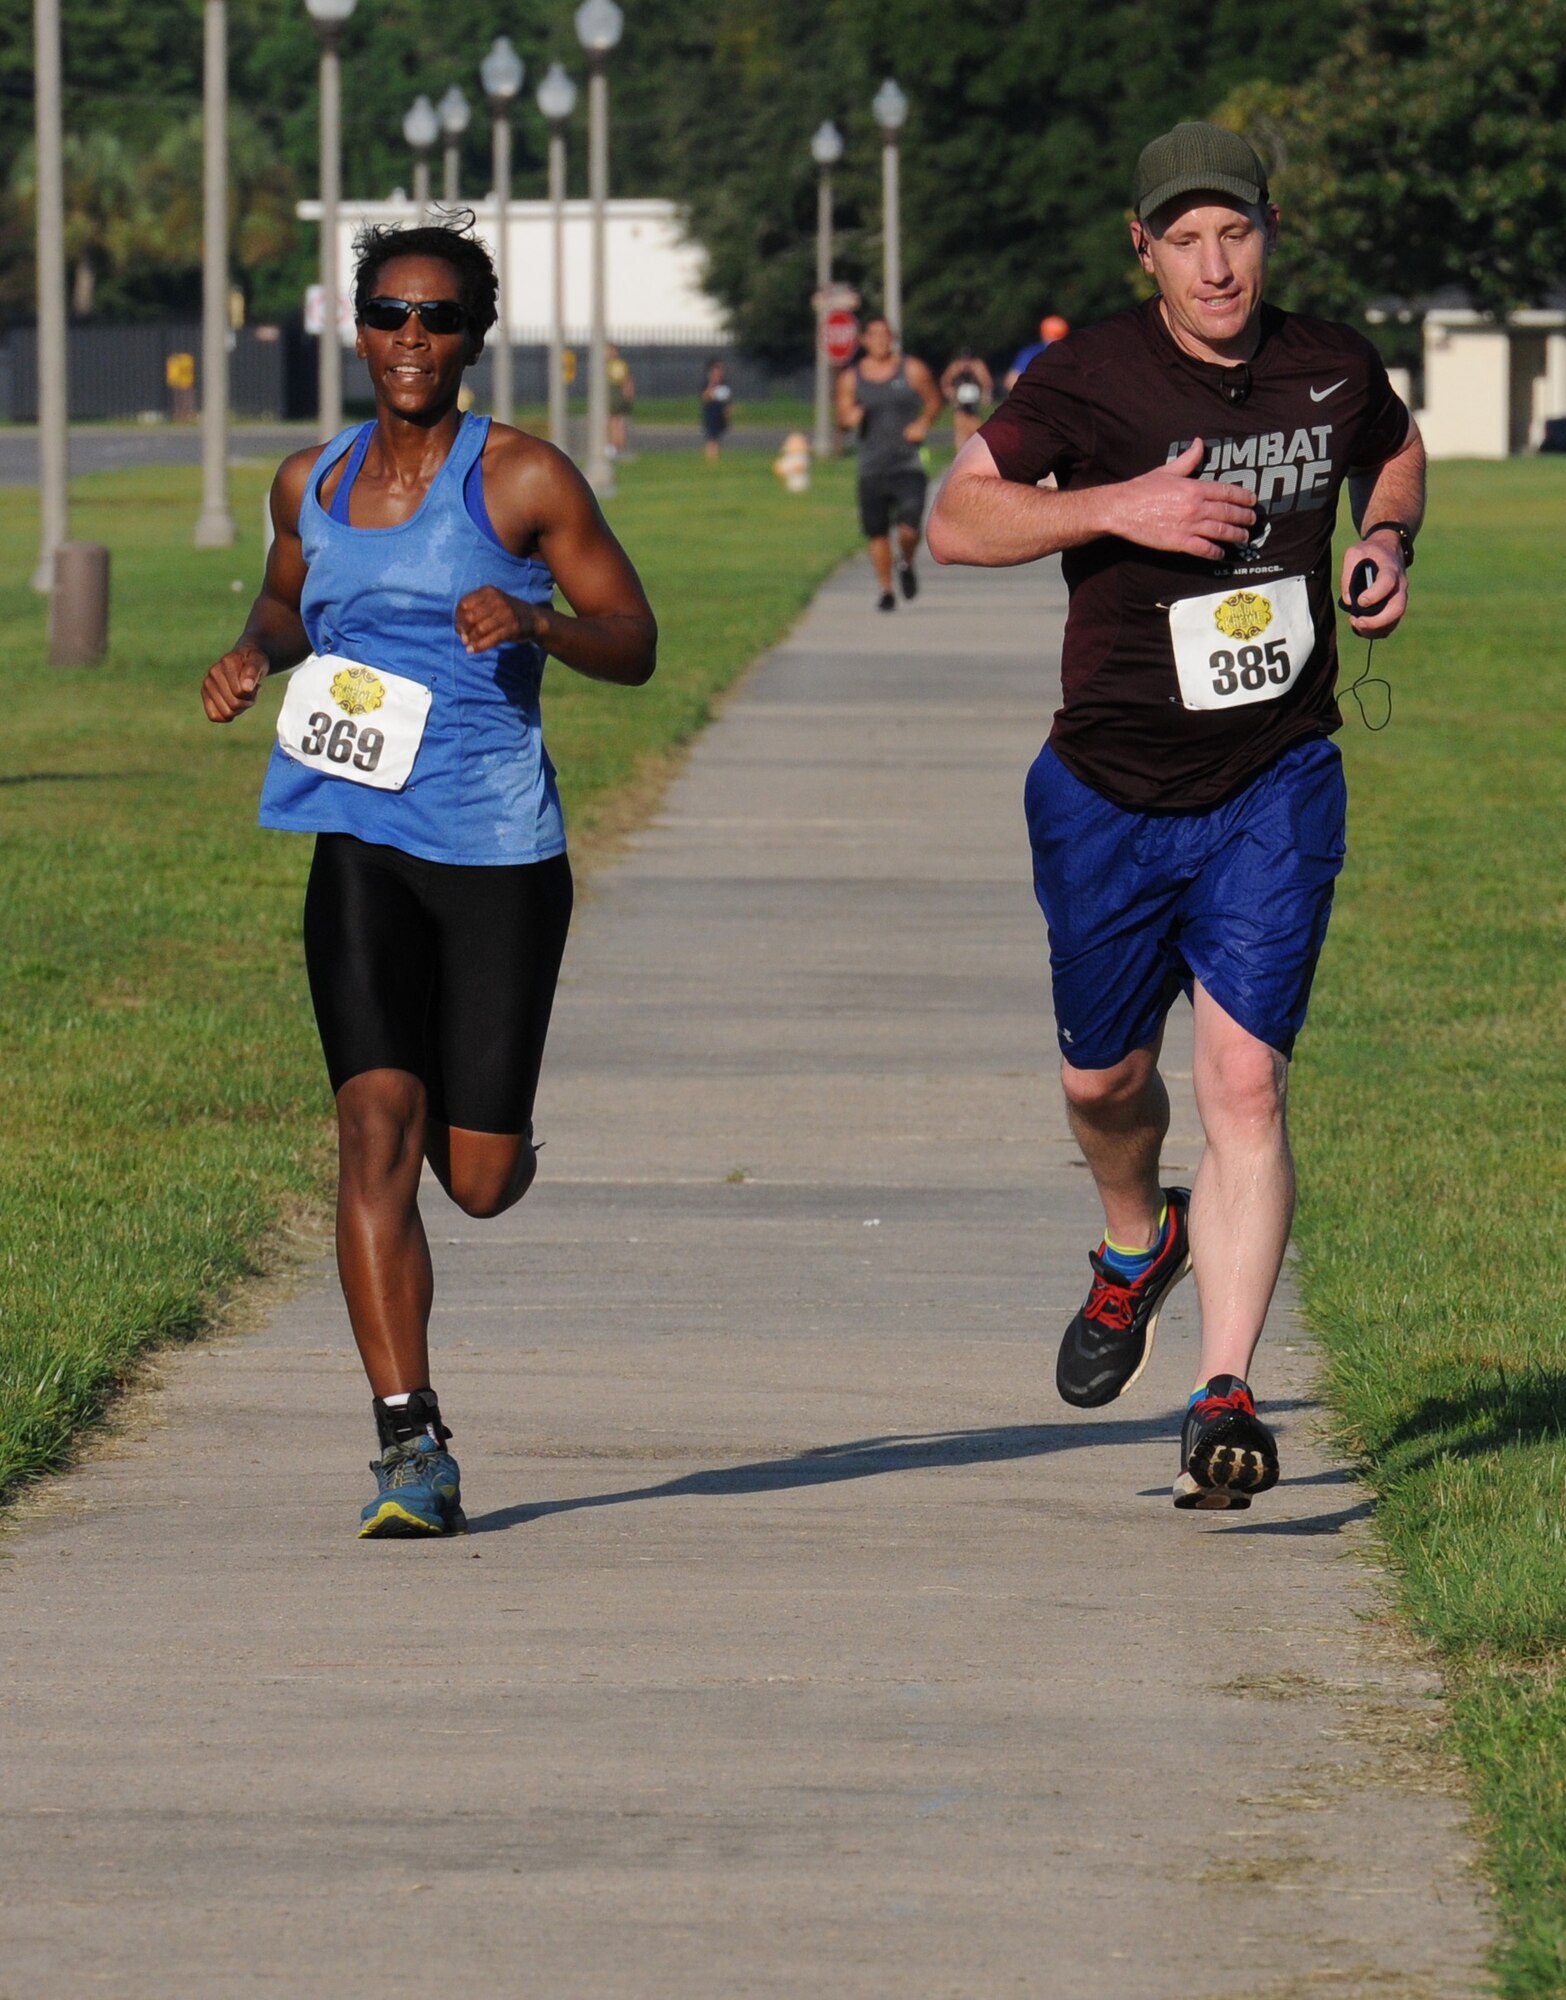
x=1115 y=400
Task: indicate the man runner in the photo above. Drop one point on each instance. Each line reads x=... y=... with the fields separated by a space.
x=1187 y=812
x=891 y=400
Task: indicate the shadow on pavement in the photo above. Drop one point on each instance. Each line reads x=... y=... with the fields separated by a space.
x=865 y=1458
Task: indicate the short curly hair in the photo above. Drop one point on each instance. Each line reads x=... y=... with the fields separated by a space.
x=452 y=241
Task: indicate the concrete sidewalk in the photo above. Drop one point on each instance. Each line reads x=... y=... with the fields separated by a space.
x=806 y=1643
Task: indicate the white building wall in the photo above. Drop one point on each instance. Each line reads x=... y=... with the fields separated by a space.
x=1467 y=411
x=656 y=278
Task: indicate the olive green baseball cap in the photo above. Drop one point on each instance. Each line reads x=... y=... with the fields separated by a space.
x=1197 y=159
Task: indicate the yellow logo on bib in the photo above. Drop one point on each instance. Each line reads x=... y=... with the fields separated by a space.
x=357 y=691
x=1242 y=615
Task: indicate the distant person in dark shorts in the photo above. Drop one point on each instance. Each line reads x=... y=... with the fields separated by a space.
x=969 y=387
x=717 y=409
x=1187 y=812
x=1051 y=328
x=622 y=400
x=891 y=400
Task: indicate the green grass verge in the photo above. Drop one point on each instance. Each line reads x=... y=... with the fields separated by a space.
x=1428 y=1111
x=164 y=1096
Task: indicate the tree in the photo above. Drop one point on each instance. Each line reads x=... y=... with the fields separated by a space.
x=1427 y=150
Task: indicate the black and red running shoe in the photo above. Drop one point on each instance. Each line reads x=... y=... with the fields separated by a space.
x=1226 y=1452
x=1108 y=1344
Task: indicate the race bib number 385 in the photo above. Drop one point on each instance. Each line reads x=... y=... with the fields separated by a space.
x=1248 y=643
x=350 y=721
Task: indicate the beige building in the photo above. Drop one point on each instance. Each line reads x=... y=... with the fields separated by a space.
x=1490 y=385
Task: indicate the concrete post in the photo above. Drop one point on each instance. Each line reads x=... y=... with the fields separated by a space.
x=79 y=608
x=215 y=527
x=892 y=247
x=501 y=399
x=600 y=467
x=330 y=419
x=557 y=199
x=54 y=445
x=826 y=430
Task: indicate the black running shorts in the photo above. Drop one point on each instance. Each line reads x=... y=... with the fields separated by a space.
x=447 y=972
x=885 y=497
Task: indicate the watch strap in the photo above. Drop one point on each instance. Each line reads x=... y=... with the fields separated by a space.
x=1404 y=533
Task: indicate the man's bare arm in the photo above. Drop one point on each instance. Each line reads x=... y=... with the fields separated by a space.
x=1394 y=491
x=992 y=522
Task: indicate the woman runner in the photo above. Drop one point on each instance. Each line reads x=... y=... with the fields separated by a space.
x=412 y=572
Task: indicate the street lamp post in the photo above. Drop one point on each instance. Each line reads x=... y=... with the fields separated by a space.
x=421 y=129
x=215 y=527
x=329 y=16
x=54 y=445
x=557 y=100
x=502 y=72
x=890 y=108
x=455 y=111
x=598 y=27
x=826 y=149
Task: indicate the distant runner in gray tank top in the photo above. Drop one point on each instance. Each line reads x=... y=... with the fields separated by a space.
x=891 y=401
x=889 y=408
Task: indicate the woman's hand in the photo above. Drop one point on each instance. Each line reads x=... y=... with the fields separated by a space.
x=230 y=686
x=487 y=618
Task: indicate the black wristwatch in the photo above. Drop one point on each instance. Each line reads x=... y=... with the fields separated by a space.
x=1404 y=535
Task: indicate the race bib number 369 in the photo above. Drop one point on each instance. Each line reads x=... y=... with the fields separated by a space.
x=347 y=720
x=1248 y=643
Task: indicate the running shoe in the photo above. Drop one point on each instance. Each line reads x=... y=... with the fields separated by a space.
x=886 y=602
x=420 y=1492
x=1107 y=1345
x=907 y=581
x=1226 y=1452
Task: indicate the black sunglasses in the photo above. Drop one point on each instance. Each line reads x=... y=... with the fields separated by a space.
x=435 y=315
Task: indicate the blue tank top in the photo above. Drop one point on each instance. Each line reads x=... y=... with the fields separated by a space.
x=482 y=789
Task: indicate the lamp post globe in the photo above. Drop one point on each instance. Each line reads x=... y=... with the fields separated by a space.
x=556 y=101
x=890 y=108
x=502 y=72
x=329 y=16
x=599 y=24
x=556 y=97
x=826 y=144
x=421 y=124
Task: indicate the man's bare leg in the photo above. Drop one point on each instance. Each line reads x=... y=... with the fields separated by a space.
x=881 y=557
x=1119 y=1118
x=1242 y=1203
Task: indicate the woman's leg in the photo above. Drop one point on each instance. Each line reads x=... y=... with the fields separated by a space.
x=383 y=1257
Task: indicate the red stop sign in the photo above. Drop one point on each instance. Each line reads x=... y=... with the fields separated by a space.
x=839 y=337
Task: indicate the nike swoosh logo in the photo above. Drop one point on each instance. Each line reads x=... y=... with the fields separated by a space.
x=1321 y=395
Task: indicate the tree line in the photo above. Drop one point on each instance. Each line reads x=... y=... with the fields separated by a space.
x=1414 y=144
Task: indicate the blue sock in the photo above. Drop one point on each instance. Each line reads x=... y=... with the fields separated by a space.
x=1133 y=1264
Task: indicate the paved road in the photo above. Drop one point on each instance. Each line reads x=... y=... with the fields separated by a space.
x=806 y=1644
x=108 y=448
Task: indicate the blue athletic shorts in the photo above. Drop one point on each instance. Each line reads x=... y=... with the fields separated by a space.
x=1139 y=905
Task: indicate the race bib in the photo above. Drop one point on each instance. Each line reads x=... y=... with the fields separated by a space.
x=350 y=721
x=1248 y=643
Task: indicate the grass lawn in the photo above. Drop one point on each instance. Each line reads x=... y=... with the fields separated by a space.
x=165 y=1101
x=1428 y=1110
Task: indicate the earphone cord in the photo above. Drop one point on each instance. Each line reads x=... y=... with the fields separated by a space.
x=1368 y=680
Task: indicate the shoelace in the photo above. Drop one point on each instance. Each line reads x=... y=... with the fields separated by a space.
x=408 y=1469
x=1237 y=1399
x=1109 y=1303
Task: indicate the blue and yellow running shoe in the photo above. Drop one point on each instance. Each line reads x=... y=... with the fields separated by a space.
x=420 y=1492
